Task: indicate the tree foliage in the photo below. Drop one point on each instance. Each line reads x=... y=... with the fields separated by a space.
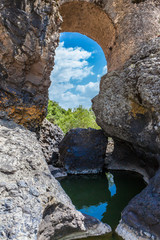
x=67 y=119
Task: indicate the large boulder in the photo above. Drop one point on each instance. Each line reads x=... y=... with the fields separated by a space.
x=128 y=109
x=82 y=151
x=50 y=137
x=127 y=106
x=32 y=203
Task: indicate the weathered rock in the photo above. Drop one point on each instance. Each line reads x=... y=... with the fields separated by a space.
x=29 y=36
x=50 y=137
x=32 y=203
x=141 y=218
x=125 y=157
x=127 y=106
x=131 y=115
x=57 y=172
x=29 y=33
x=82 y=151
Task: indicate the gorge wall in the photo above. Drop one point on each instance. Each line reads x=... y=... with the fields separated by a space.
x=128 y=105
x=29 y=35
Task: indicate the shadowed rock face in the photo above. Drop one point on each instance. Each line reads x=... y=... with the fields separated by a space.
x=50 y=136
x=82 y=151
x=143 y=212
x=125 y=156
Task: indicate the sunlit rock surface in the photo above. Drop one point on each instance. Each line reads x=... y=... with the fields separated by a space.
x=32 y=203
x=128 y=104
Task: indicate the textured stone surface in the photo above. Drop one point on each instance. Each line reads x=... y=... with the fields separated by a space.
x=119 y=26
x=82 y=151
x=127 y=106
x=29 y=36
x=50 y=137
x=143 y=213
x=57 y=172
x=29 y=33
x=126 y=157
x=32 y=203
x=128 y=109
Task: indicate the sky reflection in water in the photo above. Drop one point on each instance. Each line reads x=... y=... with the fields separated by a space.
x=103 y=196
x=98 y=210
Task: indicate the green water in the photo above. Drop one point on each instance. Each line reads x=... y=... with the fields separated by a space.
x=103 y=197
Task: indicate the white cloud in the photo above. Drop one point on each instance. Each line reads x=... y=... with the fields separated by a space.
x=58 y=89
x=89 y=90
x=71 y=100
x=71 y=64
x=105 y=70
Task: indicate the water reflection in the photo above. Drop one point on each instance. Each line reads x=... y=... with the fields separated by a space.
x=103 y=196
x=96 y=211
x=111 y=184
x=99 y=209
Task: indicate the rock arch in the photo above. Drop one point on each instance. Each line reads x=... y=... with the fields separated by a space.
x=127 y=106
x=30 y=32
x=90 y=20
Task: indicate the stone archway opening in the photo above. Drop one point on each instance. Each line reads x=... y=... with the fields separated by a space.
x=90 y=20
x=79 y=65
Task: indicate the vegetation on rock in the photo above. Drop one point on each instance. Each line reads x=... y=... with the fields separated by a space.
x=67 y=119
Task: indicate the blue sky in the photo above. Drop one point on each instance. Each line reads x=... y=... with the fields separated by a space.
x=79 y=64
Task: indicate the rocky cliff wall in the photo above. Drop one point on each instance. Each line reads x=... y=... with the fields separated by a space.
x=127 y=107
x=29 y=33
x=29 y=36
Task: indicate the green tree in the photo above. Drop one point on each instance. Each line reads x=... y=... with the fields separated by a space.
x=79 y=117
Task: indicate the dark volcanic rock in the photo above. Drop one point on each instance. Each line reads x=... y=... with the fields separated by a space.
x=127 y=157
x=82 y=151
x=50 y=137
x=143 y=213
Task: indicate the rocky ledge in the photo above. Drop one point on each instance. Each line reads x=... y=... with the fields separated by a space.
x=32 y=203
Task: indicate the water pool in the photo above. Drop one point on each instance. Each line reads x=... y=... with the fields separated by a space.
x=103 y=196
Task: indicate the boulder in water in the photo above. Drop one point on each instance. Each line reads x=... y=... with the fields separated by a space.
x=82 y=151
